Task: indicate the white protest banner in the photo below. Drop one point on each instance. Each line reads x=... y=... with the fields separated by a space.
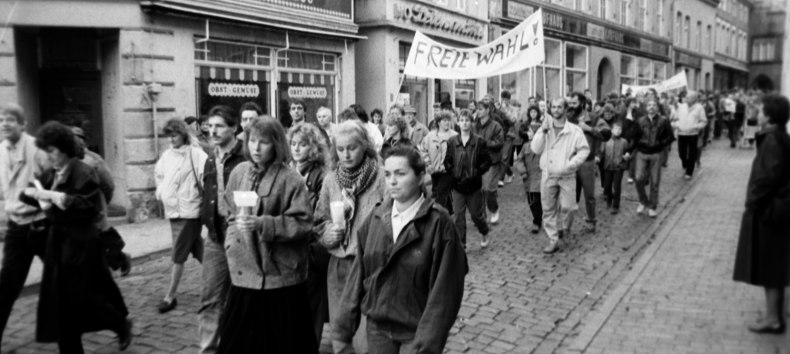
x=516 y=50
x=672 y=83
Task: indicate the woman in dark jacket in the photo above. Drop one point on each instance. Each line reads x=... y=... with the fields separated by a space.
x=78 y=294
x=310 y=157
x=763 y=255
x=267 y=308
x=408 y=277
x=396 y=132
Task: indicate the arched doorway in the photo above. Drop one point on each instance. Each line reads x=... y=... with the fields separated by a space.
x=763 y=83
x=606 y=78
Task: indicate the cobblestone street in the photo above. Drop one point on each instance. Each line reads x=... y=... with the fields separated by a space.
x=518 y=300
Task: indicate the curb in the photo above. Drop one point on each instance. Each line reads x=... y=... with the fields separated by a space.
x=662 y=230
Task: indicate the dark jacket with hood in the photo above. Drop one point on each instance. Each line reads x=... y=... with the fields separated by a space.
x=413 y=285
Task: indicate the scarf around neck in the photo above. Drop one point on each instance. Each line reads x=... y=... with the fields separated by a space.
x=352 y=183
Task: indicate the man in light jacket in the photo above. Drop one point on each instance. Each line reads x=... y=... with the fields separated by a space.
x=563 y=149
x=689 y=122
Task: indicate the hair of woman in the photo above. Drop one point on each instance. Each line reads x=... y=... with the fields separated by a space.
x=355 y=130
x=318 y=151
x=57 y=135
x=268 y=128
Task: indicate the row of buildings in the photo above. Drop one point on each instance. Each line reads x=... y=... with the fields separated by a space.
x=120 y=68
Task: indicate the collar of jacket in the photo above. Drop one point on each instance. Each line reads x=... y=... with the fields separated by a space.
x=265 y=186
x=383 y=212
x=66 y=171
x=459 y=141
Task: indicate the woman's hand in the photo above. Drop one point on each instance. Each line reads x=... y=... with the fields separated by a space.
x=333 y=236
x=247 y=223
x=30 y=192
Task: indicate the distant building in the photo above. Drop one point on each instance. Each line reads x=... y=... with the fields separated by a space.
x=693 y=36
x=766 y=30
x=732 y=28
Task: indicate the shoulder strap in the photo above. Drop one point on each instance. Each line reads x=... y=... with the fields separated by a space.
x=194 y=173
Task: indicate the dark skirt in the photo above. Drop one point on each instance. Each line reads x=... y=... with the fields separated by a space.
x=267 y=321
x=78 y=294
x=763 y=254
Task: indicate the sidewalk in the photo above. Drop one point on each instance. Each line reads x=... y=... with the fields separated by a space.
x=680 y=297
x=144 y=241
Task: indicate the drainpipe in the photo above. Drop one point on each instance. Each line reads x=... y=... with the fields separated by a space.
x=153 y=92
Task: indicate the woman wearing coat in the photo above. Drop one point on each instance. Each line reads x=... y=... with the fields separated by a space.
x=763 y=254
x=78 y=294
x=310 y=157
x=267 y=308
x=357 y=183
x=408 y=276
x=178 y=174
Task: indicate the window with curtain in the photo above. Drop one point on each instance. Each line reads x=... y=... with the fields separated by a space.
x=627 y=70
x=698 y=37
x=645 y=71
x=687 y=33
x=678 y=24
x=553 y=67
x=708 y=41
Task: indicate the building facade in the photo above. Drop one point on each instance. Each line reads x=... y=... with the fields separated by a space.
x=120 y=69
x=389 y=26
x=590 y=44
x=767 y=29
x=693 y=37
x=732 y=28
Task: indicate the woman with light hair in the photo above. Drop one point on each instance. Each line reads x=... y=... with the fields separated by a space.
x=349 y=193
x=179 y=176
x=396 y=132
x=310 y=157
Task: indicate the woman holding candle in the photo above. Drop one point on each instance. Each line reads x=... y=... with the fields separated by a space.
x=266 y=247
x=354 y=187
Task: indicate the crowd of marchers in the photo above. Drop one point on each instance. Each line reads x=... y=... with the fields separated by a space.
x=357 y=220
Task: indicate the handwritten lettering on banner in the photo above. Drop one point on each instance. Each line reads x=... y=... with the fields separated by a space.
x=233 y=90
x=520 y=48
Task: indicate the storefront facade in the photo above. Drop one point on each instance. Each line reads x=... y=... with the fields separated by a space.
x=120 y=69
x=389 y=26
x=582 y=52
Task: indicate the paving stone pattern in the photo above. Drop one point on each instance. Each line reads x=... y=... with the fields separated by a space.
x=516 y=300
x=684 y=301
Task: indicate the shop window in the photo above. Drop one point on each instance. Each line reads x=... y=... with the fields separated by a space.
x=659 y=71
x=509 y=84
x=550 y=85
x=464 y=93
x=627 y=70
x=414 y=90
x=575 y=67
x=216 y=51
x=296 y=59
x=645 y=73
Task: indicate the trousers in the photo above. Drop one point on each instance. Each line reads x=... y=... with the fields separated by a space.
x=585 y=182
x=215 y=279
x=22 y=243
x=474 y=202
x=557 y=198
x=648 y=170
x=612 y=187
x=688 y=150
x=491 y=184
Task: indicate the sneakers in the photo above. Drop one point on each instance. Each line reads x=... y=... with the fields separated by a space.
x=535 y=229
x=552 y=247
x=615 y=211
x=630 y=181
x=687 y=177
x=652 y=213
x=509 y=179
x=640 y=209
x=589 y=226
x=484 y=241
x=494 y=217
x=501 y=184
x=165 y=306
